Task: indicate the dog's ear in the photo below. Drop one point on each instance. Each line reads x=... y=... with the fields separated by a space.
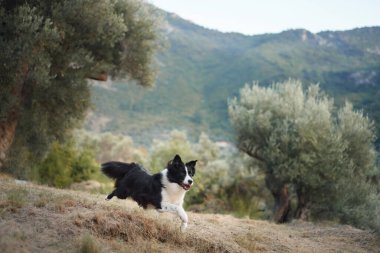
x=191 y=163
x=177 y=159
x=191 y=167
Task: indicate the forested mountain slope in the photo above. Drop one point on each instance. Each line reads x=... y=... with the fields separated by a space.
x=200 y=69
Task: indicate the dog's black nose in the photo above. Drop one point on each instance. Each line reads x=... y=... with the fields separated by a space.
x=190 y=181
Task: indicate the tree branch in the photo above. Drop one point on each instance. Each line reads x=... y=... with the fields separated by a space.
x=252 y=152
x=101 y=77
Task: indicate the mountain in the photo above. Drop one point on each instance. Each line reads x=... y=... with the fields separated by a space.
x=200 y=69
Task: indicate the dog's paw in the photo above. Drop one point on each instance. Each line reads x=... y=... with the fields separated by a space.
x=183 y=226
x=107 y=199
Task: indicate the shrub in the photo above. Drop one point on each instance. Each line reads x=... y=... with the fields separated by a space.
x=65 y=164
x=163 y=151
x=84 y=165
x=55 y=169
x=303 y=142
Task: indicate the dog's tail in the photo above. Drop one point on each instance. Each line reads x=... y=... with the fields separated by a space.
x=116 y=170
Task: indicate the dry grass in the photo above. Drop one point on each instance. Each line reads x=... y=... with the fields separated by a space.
x=88 y=245
x=41 y=219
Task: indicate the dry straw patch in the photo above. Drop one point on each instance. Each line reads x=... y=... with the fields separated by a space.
x=41 y=219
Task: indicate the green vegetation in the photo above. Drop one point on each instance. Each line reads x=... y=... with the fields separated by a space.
x=200 y=69
x=303 y=142
x=223 y=183
x=65 y=164
x=307 y=150
x=48 y=50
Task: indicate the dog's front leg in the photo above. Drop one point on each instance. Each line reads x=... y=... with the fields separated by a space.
x=167 y=207
x=183 y=215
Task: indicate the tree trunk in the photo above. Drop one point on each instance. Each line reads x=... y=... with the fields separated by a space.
x=280 y=192
x=7 y=133
x=303 y=204
x=282 y=204
x=8 y=125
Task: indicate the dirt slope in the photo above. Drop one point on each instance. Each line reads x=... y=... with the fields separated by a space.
x=41 y=219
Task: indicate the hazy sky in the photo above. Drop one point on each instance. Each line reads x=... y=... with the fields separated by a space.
x=269 y=16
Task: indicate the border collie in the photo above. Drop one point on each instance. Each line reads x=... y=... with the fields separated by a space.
x=163 y=191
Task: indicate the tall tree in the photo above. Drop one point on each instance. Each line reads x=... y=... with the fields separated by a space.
x=304 y=143
x=50 y=48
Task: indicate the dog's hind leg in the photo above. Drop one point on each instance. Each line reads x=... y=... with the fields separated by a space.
x=119 y=193
x=110 y=196
x=167 y=207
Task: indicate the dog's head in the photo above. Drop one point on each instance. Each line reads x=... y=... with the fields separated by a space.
x=181 y=173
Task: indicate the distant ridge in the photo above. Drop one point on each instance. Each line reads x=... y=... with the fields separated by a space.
x=202 y=68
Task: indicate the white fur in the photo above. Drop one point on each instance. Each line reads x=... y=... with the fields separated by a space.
x=172 y=192
x=187 y=178
x=173 y=196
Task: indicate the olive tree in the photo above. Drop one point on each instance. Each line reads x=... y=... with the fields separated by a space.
x=48 y=51
x=304 y=143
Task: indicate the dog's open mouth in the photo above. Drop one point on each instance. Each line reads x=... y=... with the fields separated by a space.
x=186 y=187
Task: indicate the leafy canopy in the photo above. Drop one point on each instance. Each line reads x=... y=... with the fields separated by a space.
x=299 y=135
x=301 y=139
x=49 y=48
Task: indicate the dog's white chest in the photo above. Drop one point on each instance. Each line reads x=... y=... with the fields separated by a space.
x=173 y=193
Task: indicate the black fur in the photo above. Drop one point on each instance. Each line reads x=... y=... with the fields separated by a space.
x=177 y=172
x=133 y=181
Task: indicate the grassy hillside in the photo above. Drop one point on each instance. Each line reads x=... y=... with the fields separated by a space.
x=201 y=68
x=41 y=219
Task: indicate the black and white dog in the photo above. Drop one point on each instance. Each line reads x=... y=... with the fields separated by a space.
x=163 y=191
